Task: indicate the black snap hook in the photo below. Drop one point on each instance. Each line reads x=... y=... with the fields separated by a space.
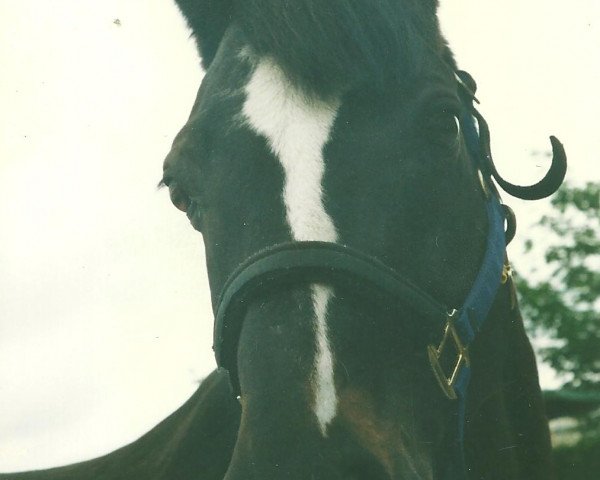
x=511 y=223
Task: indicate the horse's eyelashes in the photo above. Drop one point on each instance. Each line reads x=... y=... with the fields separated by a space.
x=164 y=182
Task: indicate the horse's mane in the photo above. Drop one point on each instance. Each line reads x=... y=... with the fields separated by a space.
x=325 y=46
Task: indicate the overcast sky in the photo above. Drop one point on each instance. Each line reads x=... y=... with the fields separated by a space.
x=105 y=323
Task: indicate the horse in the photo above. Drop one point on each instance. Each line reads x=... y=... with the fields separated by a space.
x=366 y=324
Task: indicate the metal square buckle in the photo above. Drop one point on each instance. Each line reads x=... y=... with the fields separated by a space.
x=447 y=383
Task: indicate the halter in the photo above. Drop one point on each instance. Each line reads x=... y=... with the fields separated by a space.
x=322 y=262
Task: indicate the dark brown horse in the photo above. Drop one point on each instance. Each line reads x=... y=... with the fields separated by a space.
x=343 y=183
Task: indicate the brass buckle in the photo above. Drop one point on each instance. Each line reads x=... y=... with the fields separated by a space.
x=447 y=383
x=507 y=273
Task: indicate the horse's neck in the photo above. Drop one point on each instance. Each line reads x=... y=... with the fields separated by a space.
x=505 y=401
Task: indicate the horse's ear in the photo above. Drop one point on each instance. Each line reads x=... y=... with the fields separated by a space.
x=208 y=20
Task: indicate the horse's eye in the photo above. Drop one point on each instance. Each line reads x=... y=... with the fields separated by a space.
x=445 y=122
x=442 y=128
x=179 y=198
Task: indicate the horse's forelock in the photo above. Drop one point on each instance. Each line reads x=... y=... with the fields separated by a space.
x=329 y=47
x=324 y=47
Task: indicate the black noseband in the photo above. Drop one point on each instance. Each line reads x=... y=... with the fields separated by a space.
x=314 y=262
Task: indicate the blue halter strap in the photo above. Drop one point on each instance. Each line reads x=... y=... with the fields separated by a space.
x=463 y=325
x=461 y=329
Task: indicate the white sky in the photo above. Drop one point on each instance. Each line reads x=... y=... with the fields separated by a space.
x=105 y=323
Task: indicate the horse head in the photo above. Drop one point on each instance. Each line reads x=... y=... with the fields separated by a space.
x=329 y=139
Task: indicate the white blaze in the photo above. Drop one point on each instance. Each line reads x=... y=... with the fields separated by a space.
x=325 y=395
x=297 y=129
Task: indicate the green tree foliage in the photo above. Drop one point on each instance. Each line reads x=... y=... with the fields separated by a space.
x=566 y=306
x=565 y=309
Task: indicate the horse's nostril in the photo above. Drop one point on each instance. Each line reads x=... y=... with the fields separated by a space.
x=179 y=198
